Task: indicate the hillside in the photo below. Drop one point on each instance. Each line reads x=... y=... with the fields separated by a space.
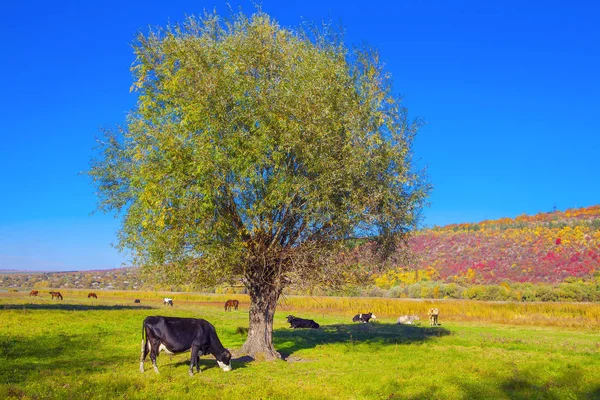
x=543 y=248
x=119 y=278
x=547 y=248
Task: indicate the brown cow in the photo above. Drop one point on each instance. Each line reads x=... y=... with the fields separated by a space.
x=34 y=293
x=92 y=295
x=57 y=295
x=231 y=303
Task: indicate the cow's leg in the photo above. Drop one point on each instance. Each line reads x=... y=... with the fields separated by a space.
x=194 y=360
x=144 y=353
x=154 y=349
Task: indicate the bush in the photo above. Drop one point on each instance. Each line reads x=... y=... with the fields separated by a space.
x=452 y=291
x=528 y=295
x=426 y=292
x=546 y=293
x=396 y=292
x=495 y=293
x=476 y=292
x=414 y=291
x=514 y=295
x=375 y=291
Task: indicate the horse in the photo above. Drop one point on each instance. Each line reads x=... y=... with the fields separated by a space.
x=90 y=295
x=231 y=303
x=57 y=295
x=34 y=293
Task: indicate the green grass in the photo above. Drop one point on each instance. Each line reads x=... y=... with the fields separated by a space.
x=80 y=348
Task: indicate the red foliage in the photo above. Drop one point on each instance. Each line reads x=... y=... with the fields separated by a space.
x=522 y=250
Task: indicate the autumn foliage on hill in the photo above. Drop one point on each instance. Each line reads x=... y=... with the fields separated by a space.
x=545 y=257
x=543 y=248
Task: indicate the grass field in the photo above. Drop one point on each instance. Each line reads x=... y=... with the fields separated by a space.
x=80 y=349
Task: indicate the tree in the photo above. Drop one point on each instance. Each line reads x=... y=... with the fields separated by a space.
x=254 y=154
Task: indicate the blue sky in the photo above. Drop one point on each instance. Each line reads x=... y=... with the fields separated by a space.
x=510 y=92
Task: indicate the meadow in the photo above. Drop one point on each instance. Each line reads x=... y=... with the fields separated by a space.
x=89 y=348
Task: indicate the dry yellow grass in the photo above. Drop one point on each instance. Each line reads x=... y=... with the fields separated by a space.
x=576 y=315
x=545 y=314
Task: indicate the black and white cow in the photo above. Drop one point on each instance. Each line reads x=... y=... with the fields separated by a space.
x=301 y=322
x=364 y=317
x=177 y=335
x=168 y=301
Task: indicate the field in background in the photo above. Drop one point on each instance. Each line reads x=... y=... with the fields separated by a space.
x=583 y=315
x=88 y=348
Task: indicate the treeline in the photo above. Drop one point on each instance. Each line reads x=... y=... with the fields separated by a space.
x=572 y=289
x=577 y=291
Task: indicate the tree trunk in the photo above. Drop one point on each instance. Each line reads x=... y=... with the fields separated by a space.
x=259 y=343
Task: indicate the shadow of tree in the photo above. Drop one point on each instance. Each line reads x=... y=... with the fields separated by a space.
x=288 y=341
x=22 y=358
x=74 y=307
x=514 y=388
x=521 y=388
x=209 y=362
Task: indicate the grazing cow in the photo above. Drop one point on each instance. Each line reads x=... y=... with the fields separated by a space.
x=231 y=303
x=57 y=295
x=137 y=301
x=92 y=295
x=34 y=293
x=364 y=318
x=177 y=335
x=433 y=316
x=168 y=301
x=407 y=319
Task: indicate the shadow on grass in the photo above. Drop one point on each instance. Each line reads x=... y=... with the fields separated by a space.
x=288 y=341
x=522 y=388
x=514 y=388
x=210 y=362
x=22 y=359
x=73 y=307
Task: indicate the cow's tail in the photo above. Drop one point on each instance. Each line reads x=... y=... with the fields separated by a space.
x=144 y=340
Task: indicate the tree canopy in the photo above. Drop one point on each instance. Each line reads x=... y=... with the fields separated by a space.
x=254 y=150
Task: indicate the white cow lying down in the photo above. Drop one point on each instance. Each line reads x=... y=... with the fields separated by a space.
x=408 y=319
